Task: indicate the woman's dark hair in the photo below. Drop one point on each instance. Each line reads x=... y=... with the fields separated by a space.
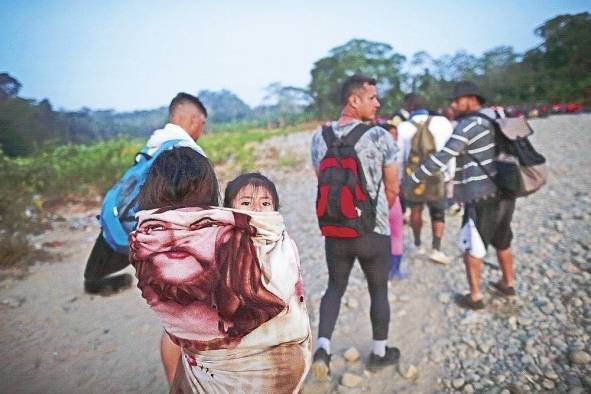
x=256 y=180
x=180 y=177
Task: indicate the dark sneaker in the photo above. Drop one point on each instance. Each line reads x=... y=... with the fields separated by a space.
x=465 y=301
x=376 y=362
x=499 y=288
x=321 y=365
x=109 y=285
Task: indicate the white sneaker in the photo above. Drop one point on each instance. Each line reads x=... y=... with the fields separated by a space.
x=416 y=251
x=439 y=257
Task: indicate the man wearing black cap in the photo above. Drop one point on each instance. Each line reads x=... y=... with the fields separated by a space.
x=488 y=212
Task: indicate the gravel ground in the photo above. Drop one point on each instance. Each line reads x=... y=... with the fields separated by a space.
x=56 y=339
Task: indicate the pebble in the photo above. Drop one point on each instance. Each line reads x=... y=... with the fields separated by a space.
x=411 y=373
x=469 y=389
x=458 y=383
x=352 y=303
x=513 y=322
x=500 y=379
x=577 y=390
x=351 y=355
x=444 y=298
x=548 y=384
x=351 y=380
x=550 y=374
x=14 y=302
x=404 y=298
x=580 y=357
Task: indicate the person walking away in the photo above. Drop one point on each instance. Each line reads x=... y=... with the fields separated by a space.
x=488 y=211
x=356 y=226
x=225 y=283
x=424 y=133
x=186 y=119
x=396 y=218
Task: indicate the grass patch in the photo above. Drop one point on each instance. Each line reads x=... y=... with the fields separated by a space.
x=77 y=171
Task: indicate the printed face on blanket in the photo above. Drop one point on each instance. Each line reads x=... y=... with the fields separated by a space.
x=198 y=269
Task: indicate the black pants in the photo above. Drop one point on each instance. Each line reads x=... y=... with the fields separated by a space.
x=373 y=253
x=492 y=218
x=104 y=261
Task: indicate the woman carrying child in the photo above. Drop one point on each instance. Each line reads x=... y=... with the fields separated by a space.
x=225 y=282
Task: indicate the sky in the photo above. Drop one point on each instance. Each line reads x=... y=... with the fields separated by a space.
x=131 y=54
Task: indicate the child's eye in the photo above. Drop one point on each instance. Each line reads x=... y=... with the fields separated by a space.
x=245 y=203
x=266 y=203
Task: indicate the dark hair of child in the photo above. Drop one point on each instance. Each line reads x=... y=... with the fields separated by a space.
x=256 y=180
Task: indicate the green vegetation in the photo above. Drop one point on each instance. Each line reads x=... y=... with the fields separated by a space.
x=79 y=171
x=47 y=154
x=557 y=70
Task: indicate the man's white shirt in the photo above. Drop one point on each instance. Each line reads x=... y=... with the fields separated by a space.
x=171 y=132
x=440 y=127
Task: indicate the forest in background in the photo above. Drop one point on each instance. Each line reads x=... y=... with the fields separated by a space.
x=557 y=70
x=49 y=155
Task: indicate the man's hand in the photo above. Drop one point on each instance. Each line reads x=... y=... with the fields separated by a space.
x=407 y=184
x=391 y=181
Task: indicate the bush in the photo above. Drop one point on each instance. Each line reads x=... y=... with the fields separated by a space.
x=68 y=171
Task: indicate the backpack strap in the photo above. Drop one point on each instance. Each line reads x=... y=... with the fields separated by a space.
x=355 y=135
x=483 y=169
x=164 y=146
x=427 y=122
x=350 y=139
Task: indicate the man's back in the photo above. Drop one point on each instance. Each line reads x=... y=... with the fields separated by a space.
x=375 y=149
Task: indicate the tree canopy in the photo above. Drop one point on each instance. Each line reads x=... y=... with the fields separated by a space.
x=556 y=70
x=374 y=59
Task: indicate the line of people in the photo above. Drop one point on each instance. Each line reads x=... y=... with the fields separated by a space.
x=433 y=161
x=226 y=282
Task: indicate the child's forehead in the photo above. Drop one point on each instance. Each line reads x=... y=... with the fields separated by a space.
x=253 y=189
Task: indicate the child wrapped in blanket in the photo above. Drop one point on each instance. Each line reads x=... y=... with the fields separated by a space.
x=225 y=282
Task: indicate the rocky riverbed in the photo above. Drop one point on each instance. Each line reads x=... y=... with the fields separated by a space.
x=57 y=339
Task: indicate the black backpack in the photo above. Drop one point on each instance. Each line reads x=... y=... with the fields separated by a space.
x=521 y=170
x=343 y=206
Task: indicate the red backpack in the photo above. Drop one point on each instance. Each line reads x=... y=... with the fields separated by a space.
x=343 y=205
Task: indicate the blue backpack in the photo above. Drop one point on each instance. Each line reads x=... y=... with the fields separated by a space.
x=120 y=203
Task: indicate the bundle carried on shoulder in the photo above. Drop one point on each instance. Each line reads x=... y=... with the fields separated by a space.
x=520 y=169
x=226 y=285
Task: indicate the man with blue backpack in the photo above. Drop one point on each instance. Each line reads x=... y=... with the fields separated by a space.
x=186 y=118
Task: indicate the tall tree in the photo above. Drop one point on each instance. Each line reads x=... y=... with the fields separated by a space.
x=9 y=86
x=224 y=106
x=562 y=63
x=374 y=59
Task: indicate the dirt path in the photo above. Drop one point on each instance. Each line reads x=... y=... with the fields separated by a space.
x=56 y=339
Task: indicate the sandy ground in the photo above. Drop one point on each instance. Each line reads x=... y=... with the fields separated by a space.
x=54 y=338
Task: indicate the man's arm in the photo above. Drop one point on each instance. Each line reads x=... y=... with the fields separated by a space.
x=391 y=183
x=317 y=150
x=437 y=161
